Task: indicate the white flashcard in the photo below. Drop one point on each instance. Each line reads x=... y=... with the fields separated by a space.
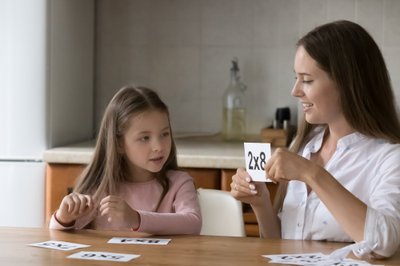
x=140 y=241
x=59 y=245
x=99 y=255
x=313 y=259
x=256 y=156
x=297 y=259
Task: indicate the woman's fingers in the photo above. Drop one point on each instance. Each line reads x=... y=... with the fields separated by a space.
x=241 y=184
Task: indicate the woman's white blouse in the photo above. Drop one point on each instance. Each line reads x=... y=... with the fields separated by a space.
x=370 y=169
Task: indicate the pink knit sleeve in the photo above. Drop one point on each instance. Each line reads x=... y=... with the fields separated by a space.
x=185 y=218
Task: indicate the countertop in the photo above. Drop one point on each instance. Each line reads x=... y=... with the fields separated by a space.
x=203 y=151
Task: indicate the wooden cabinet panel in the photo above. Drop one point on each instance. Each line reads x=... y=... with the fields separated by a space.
x=226 y=179
x=205 y=177
x=60 y=180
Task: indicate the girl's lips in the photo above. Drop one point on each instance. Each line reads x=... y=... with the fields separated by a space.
x=157 y=159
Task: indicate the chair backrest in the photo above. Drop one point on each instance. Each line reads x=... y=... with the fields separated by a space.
x=221 y=213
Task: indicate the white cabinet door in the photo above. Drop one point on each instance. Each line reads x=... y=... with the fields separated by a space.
x=22 y=195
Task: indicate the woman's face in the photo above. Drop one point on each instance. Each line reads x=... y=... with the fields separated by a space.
x=316 y=91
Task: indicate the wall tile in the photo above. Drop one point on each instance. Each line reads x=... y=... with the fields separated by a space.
x=391 y=23
x=175 y=22
x=369 y=14
x=392 y=59
x=174 y=73
x=341 y=9
x=312 y=14
x=227 y=22
x=276 y=23
x=118 y=66
x=183 y=49
x=123 y=22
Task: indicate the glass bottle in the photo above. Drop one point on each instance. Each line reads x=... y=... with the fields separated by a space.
x=234 y=107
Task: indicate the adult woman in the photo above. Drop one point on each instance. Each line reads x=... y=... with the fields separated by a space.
x=341 y=179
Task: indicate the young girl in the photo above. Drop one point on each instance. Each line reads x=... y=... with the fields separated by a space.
x=132 y=182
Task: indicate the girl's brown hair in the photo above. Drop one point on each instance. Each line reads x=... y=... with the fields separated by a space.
x=350 y=56
x=108 y=167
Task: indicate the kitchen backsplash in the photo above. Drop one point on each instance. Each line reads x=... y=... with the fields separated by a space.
x=183 y=48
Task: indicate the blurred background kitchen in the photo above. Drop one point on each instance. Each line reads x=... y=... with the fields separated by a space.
x=184 y=47
x=62 y=60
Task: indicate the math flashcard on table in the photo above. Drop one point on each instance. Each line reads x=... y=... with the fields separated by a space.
x=313 y=259
x=139 y=241
x=59 y=245
x=99 y=255
x=256 y=156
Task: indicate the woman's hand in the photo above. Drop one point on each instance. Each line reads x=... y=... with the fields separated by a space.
x=285 y=166
x=243 y=189
x=119 y=212
x=73 y=206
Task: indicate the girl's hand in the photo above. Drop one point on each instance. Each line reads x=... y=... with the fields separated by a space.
x=285 y=166
x=243 y=189
x=73 y=206
x=119 y=212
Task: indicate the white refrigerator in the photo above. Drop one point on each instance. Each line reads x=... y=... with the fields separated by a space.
x=46 y=96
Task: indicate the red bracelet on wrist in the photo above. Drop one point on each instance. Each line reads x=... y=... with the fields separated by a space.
x=63 y=224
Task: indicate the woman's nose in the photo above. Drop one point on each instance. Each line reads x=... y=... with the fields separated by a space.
x=297 y=91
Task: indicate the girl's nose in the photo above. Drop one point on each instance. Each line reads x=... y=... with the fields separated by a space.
x=156 y=145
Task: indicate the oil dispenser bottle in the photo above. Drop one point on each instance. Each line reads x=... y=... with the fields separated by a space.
x=234 y=107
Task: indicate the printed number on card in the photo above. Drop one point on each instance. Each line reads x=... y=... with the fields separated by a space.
x=256 y=156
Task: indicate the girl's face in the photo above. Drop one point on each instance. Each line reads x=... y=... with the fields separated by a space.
x=316 y=91
x=147 y=144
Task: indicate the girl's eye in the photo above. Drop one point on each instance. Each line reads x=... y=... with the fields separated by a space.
x=307 y=81
x=165 y=134
x=144 y=139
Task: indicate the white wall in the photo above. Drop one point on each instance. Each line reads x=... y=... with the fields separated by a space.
x=183 y=49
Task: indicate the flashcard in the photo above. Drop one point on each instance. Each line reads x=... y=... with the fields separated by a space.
x=313 y=259
x=256 y=156
x=59 y=245
x=108 y=256
x=140 y=241
x=297 y=259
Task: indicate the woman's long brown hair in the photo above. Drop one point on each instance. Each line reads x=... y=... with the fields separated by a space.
x=108 y=167
x=352 y=59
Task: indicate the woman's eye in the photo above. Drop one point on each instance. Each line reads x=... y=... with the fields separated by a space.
x=165 y=134
x=307 y=81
